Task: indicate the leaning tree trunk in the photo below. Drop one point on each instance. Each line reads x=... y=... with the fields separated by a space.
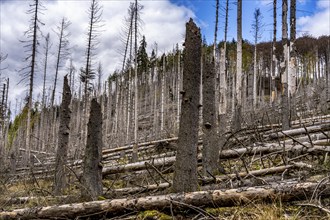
x=92 y=167
x=63 y=140
x=185 y=175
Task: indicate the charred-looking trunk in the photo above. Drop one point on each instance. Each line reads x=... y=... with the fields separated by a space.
x=210 y=146
x=284 y=69
x=92 y=166
x=238 y=93
x=185 y=175
x=63 y=140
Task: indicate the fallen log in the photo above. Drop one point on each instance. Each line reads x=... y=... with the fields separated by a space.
x=298 y=131
x=214 y=198
x=225 y=154
x=162 y=186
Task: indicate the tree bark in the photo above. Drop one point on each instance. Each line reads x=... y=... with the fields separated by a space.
x=185 y=175
x=92 y=167
x=63 y=140
x=210 y=146
x=238 y=91
x=284 y=69
x=219 y=198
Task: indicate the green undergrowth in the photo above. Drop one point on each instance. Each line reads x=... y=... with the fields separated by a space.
x=153 y=215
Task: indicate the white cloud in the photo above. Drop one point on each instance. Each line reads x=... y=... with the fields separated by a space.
x=317 y=24
x=163 y=22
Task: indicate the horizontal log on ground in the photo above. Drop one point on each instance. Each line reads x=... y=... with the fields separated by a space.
x=218 y=179
x=225 y=154
x=298 y=131
x=36 y=152
x=262 y=149
x=305 y=139
x=162 y=186
x=112 y=150
x=214 y=198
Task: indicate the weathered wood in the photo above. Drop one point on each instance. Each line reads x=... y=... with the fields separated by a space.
x=185 y=174
x=60 y=180
x=92 y=167
x=219 y=198
x=299 y=131
x=225 y=154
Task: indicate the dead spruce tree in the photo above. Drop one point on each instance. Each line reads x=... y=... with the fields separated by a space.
x=62 y=51
x=63 y=140
x=92 y=167
x=284 y=69
x=185 y=175
x=256 y=27
x=274 y=60
x=28 y=72
x=88 y=73
x=210 y=146
x=238 y=90
x=292 y=66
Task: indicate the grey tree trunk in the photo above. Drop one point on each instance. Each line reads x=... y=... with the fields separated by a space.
x=185 y=175
x=274 y=61
x=284 y=69
x=210 y=146
x=63 y=140
x=31 y=75
x=92 y=167
x=292 y=68
x=238 y=92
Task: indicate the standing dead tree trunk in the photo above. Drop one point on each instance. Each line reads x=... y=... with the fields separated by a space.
x=63 y=140
x=274 y=60
x=28 y=72
x=92 y=167
x=292 y=66
x=238 y=92
x=185 y=175
x=284 y=69
x=223 y=86
x=62 y=52
x=210 y=146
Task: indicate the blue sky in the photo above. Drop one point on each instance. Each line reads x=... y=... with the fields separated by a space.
x=307 y=10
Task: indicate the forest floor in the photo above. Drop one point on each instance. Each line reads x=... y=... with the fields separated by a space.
x=268 y=174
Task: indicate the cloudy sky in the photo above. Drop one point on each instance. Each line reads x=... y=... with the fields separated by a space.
x=163 y=23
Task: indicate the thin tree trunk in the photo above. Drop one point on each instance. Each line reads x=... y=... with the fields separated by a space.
x=284 y=69
x=238 y=91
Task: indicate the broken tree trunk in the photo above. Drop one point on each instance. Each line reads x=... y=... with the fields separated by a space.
x=185 y=175
x=218 y=198
x=63 y=140
x=92 y=167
